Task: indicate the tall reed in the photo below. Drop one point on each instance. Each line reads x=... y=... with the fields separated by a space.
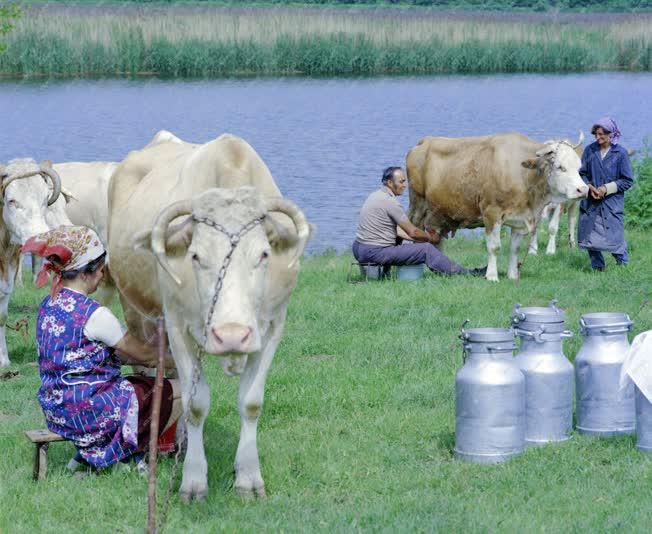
x=221 y=41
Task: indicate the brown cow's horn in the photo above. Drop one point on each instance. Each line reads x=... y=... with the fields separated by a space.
x=159 y=231
x=56 y=183
x=289 y=208
x=579 y=141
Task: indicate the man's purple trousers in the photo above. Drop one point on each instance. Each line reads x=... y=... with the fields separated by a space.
x=407 y=254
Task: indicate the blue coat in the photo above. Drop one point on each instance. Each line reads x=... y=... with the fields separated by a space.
x=602 y=222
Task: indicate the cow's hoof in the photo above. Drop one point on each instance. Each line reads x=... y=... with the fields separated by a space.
x=246 y=494
x=532 y=252
x=248 y=489
x=492 y=278
x=198 y=494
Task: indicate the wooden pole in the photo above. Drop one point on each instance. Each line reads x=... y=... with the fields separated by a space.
x=153 y=429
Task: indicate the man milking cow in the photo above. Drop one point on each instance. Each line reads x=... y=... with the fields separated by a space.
x=384 y=224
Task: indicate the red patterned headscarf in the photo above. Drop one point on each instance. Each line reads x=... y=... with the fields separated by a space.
x=67 y=248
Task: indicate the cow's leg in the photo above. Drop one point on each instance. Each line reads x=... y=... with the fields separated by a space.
x=493 y=246
x=6 y=288
x=533 y=250
x=196 y=401
x=19 y=273
x=37 y=265
x=553 y=228
x=248 y=479
x=572 y=223
x=514 y=244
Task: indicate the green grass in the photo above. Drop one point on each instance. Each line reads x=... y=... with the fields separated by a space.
x=357 y=429
x=180 y=41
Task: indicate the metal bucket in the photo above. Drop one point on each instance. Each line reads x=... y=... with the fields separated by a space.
x=548 y=374
x=643 y=422
x=409 y=272
x=490 y=398
x=603 y=408
x=373 y=272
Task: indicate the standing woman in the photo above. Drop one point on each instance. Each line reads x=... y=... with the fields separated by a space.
x=606 y=170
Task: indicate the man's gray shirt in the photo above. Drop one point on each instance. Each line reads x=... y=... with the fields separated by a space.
x=380 y=215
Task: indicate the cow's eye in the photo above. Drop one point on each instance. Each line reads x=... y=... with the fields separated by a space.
x=195 y=257
x=11 y=202
x=263 y=257
x=562 y=168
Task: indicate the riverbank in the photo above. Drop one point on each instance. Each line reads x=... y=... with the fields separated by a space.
x=208 y=41
x=357 y=429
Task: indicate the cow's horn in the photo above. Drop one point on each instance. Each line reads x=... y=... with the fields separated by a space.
x=56 y=183
x=159 y=231
x=289 y=208
x=579 y=141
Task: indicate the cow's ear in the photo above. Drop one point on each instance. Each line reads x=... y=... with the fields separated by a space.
x=529 y=163
x=178 y=238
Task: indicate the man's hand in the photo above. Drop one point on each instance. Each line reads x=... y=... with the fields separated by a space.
x=435 y=237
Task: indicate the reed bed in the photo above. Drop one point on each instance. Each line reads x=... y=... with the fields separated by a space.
x=278 y=41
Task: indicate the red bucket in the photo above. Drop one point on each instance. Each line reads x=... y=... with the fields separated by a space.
x=166 y=440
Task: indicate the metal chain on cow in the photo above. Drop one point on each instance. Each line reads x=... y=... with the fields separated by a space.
x=234 y=239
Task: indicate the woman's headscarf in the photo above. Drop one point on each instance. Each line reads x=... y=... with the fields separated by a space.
x=609 y=126
x=67 y=248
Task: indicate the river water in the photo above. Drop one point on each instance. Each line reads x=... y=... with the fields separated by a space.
x=326 y=141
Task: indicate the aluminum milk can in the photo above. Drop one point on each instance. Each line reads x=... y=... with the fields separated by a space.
x=643 y=422
x=548 y=374
x=490 y=398
x=603 y=409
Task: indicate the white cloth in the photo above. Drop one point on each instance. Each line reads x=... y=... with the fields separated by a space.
x=638 y=364
x=103 y=326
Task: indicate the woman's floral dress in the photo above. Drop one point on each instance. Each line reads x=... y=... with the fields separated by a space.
x=83 y=395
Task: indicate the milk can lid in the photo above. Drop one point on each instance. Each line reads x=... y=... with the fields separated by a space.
x=487 y=335
x=538 y=314
x=605 y=319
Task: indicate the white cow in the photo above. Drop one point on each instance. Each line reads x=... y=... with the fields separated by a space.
x=224 y=259
x=25 y=195
x=553 y=213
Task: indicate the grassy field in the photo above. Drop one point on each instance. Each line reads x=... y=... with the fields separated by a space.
x=209 y=41
x=357 y=430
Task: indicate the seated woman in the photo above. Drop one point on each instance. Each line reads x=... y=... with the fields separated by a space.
x=81 y=346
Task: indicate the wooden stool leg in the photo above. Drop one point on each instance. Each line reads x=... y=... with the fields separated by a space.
x=41 y=461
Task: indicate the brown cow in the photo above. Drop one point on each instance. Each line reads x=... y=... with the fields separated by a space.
x=490 y=181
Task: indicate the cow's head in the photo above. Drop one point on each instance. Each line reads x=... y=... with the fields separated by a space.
x=230 y=238
x=559 y=163
x=27 y=189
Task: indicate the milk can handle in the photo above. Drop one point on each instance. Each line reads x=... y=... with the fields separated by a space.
x=498 y=348
x=614 y=330
x=535 y=335
x=517 y=314
x=567 y=333
x=464 y=336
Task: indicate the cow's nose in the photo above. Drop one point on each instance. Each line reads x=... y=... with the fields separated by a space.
x=583 y=191
x=231 y=337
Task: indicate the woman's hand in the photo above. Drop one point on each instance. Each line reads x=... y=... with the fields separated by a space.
x=598 y=193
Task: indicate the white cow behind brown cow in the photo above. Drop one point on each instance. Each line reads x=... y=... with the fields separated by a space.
x=27 y=189
x=84 y=202
x=490 y=181
x=216 y=255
